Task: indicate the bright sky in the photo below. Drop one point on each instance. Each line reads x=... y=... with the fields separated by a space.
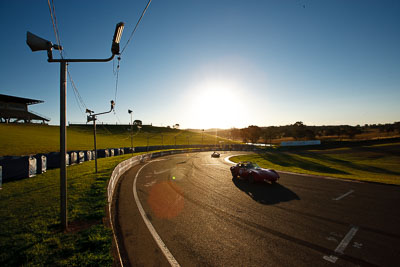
x=207 y=64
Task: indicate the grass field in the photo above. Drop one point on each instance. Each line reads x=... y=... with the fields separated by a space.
x=29 y=212
x=376 y=163
x=21 y=139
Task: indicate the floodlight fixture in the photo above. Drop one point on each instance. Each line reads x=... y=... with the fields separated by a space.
x=112 y=104
x=117 y=38
x=130 y=111
x=89 y=111
x=37 y=43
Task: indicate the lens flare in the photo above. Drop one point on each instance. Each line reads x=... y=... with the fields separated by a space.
x=166 y=200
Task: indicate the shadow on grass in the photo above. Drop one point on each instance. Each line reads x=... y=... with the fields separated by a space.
x=287 y=160
x=349 y=164
x=393 y=150
x=264 y=193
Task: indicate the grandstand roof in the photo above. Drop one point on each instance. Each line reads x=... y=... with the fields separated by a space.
x=15 y=99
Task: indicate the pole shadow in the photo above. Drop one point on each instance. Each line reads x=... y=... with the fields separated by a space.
x=265 y=193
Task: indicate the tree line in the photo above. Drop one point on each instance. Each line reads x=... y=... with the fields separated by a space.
x=300 y=131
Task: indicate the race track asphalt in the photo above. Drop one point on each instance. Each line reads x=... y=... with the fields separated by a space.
x=206 y=218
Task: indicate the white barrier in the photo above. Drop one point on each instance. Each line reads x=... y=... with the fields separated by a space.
x=32 y=166
x=301 y=143
x=118 y=171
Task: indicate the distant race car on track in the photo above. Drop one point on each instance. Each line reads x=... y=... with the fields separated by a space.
x=254 y=173
x=215 y=155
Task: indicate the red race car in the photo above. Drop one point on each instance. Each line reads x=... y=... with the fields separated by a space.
x=254 y=173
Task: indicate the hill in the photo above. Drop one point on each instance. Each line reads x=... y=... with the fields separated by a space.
x=25 y=139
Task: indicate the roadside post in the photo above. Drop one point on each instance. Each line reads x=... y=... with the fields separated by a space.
x=130 y=112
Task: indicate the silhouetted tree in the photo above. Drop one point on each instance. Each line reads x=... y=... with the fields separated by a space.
x=254 y=133
x=236 y=134
x=269 y=133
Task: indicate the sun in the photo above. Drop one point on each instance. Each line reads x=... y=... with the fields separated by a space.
x=216 y=104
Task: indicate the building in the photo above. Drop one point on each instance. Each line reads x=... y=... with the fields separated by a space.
x=15 y=109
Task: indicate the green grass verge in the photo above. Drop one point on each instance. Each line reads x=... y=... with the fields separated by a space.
x=376 y=163
x=29 y=212
x=22 y=139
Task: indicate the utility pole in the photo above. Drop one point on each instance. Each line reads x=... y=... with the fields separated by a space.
x=93 y=117
x=39 y=44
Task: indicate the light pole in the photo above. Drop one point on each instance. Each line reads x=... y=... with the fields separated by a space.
x=130 y=112
x=38 y=44
x=92 y=117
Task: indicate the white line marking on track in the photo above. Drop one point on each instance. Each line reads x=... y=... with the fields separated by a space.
x=227 y=159
x=342 y=246
x=150 y=183
x=153 y=231
x=331 y=258
x=346 y=240
x=344 y=195
x=159 y=172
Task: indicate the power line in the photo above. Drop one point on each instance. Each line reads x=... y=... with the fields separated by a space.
x=134 y=30
x=77 y=95
x=116 y=81
x=116 y=72
x=115 y=113
x=54 y=22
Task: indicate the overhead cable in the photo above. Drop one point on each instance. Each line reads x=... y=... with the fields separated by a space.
x=134 y=30
x=52 y=11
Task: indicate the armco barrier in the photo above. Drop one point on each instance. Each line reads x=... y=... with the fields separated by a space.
x=73 y=158
x=15 y=168
x=81 y=156
x=88 y=155
x=103 y=153
x=53 y=160
x=140 y=149
x=41 y=163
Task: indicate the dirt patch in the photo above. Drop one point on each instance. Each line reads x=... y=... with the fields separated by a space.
x=76 y=226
